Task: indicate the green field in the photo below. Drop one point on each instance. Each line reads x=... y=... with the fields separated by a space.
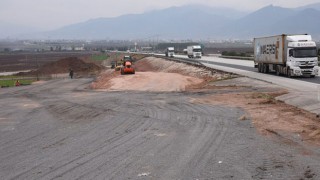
x=99 y=57
x=11 y=83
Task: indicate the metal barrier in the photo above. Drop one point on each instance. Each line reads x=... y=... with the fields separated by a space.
x=194 y=62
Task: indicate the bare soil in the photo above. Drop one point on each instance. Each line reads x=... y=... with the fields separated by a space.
x=268 y=115
x=30 y=61
x=60 y=129
x=154 y=74
x=78 y=65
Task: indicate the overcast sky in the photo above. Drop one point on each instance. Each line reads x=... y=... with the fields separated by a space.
x=51 y=14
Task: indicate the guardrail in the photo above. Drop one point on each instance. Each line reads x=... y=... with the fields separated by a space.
x=190 y=61
x=238 y=57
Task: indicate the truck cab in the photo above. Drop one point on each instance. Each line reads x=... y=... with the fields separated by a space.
x=194 y=51
x=302 y=57
x=170 y=52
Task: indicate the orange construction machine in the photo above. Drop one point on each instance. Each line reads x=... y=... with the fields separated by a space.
x=127 y=68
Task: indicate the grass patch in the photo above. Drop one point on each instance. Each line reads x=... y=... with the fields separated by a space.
x=99 y=57
x=11 y=83
x=262 y=96
x=9 y=77
x=267 y=98
x=223 y=78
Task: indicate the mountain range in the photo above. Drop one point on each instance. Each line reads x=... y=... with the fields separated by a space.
x=194 y=22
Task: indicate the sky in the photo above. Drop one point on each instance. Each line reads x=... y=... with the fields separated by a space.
x=53 y=14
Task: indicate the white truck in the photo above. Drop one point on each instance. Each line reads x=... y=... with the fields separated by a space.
x=290 y=55
x=170 y=52
x=194 y=51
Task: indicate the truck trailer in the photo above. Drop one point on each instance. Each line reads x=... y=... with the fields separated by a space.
x=194 y=51
x=170 y=52
x=290 y=55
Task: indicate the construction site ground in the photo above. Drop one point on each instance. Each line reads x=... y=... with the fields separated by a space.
x=168 y=121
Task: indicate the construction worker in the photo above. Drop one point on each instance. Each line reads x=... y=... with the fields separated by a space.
x=17 y=83
x=71 y=73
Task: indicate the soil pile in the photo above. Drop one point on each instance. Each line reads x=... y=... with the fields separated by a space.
x=64 y=65
x=159 y=65
x=156 y=74
x=79 y=66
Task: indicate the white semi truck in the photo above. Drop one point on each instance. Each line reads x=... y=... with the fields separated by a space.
x=290 y=55
x=194 y=51
x=170 y=52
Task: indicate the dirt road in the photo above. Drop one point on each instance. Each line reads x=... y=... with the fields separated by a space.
x=63 y=130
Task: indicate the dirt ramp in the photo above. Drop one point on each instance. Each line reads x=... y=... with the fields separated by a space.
x=152 y=81
x=157 y=74
x=159 y=65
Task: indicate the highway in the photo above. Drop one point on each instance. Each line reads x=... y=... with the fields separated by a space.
x=304 y=91
x=243 y=65
x=246 y=68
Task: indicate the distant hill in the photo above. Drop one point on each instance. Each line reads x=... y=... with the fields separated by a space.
x=175 y=22
x=305 y=21
x=315 y=6
x=260 y=22
x=195 y=22
x=272 y=20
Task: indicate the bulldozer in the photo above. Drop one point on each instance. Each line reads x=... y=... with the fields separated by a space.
x=120 y=63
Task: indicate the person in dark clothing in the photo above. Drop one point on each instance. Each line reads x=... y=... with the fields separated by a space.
x=71 y=73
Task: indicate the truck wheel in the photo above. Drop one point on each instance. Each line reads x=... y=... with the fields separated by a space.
x=289 y=74
x=264 y=68
x=267 y=68
x=278 y=71
x=259 y=67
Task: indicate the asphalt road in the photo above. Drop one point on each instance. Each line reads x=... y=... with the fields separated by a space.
x=62 y=130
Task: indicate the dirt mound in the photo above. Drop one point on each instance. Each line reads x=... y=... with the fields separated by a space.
x=159 y=65
x=103 y=81
x=156 y=74
x=63 y=66
x=79 y=66
x=150 y=81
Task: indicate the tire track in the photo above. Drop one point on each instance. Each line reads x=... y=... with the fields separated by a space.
x=80 y=134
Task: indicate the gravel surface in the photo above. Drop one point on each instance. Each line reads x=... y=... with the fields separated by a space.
x=62 y=130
